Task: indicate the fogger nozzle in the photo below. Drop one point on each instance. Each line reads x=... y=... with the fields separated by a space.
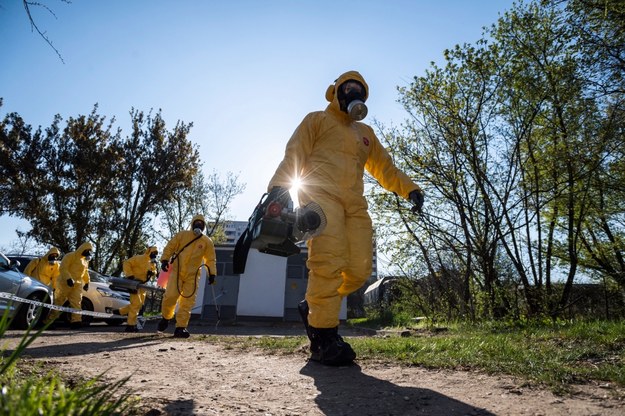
x=309 y=221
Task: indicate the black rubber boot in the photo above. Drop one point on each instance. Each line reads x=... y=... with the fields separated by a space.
x=75 y=325
x=131 y=328
x=302 y=307
x=52 y=326
x=181 y=333
x=332 y=349
x=115 y=312
x=162 y=325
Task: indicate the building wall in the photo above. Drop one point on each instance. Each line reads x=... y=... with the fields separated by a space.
x=261 y=287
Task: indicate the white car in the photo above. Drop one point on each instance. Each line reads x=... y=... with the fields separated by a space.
x=99 y=298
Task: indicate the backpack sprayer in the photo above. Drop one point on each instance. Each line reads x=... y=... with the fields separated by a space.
x=275 y=227
x=131 y=285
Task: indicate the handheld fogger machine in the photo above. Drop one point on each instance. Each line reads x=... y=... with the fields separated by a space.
x=131 y=285
x=275 y=227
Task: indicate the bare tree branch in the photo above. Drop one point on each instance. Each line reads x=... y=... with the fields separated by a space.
x=33 y=25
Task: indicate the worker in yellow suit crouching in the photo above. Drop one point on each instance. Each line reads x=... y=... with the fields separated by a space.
x=141 y=267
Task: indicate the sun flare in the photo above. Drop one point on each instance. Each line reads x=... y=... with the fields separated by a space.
x=295 y=186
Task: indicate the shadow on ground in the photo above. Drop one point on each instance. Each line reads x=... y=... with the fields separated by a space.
x=349 y=391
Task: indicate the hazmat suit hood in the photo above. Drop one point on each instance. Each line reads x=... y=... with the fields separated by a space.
x=151 y=249
x=84 y=246
x=332 y=90
x=53 y=250
x=197 y=217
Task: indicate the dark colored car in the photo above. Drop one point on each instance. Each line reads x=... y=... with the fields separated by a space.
x=14 y=282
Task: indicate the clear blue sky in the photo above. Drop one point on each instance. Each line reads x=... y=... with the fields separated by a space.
x=244 y=72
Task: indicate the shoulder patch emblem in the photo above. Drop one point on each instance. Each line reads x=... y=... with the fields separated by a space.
x=365 y=141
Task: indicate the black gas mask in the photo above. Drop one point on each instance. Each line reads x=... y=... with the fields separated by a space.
x=198 y=227
x=351 y=95
x=53 y=258
x=87 y=254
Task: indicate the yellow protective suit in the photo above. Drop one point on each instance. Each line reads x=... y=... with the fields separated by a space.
x=328 y=153
x=74 y=266
x=141 y=268
x=42 y=270
x=185 y=272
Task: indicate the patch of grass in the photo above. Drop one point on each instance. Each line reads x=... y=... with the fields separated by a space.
x=49 y=395
x=30 y=393
x=381 y=319
x=276 y=345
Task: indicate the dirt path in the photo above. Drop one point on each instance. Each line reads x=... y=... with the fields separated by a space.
x=185 y=377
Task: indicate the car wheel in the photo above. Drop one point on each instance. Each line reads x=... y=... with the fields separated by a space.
x=28 y=314
x=86 y=305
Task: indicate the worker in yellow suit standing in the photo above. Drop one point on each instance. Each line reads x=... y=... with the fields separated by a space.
x=73 y=278
x=185 y=255
x=328 y=154
x=142 y=268
x=46 y=269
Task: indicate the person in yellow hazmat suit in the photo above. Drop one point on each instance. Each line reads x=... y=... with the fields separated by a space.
x=327 y=154
x=185 y=255
x=142 y=268
x=73 y=278
x=45 y=269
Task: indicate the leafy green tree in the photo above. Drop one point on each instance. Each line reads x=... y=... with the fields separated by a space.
x=600 y=44
x=450 y=144
x=515 y=141
x=53 y=178
x=556 y=149
x=82 y=181
x=156 y=163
